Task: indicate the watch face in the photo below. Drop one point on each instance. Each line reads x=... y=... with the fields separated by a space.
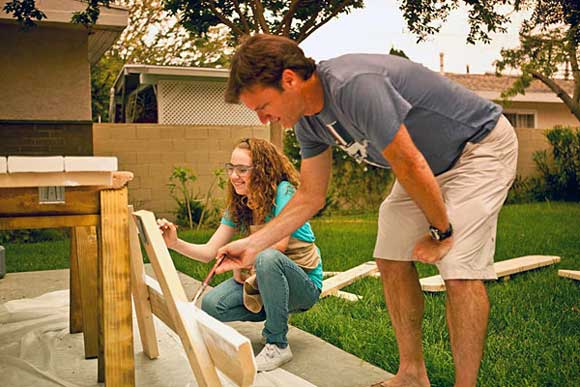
x=434 y=233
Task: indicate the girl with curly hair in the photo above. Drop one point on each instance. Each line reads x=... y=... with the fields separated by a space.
x=287 y=277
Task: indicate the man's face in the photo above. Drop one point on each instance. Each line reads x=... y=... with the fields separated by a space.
x=273 y=105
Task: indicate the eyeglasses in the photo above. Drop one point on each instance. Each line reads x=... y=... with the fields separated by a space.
x=241 y=170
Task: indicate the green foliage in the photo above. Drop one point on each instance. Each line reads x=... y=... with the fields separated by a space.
x=559 y=174
x=397 y=52
x=211 y=208
x=103 y=75
x=354 y=187
x=32 y=235
x=296 y=20
x=25 y=10
x=180 y=188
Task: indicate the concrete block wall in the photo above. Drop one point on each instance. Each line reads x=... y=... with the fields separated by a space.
x=151 y=151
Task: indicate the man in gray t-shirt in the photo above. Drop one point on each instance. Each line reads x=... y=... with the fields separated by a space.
x=453 y=155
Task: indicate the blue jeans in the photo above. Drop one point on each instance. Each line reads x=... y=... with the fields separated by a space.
x=284 y=286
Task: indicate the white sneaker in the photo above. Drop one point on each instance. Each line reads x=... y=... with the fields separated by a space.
x=272 y=357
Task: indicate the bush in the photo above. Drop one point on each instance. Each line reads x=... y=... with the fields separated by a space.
x=354 y=186
x=559 y=171
x=33 y=235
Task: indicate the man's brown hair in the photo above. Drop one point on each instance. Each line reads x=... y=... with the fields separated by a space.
x=261 y=59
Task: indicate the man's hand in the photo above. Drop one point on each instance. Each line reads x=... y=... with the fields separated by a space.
x=239 y=254
x=428 y=250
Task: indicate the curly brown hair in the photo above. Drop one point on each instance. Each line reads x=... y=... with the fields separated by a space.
x=270 y=168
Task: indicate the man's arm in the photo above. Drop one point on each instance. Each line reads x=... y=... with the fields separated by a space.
x=306 y=202
x=416 y=177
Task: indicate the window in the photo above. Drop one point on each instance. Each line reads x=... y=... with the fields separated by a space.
x=521 y=120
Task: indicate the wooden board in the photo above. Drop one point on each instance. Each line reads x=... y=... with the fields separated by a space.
x=572 y=274
x=502 y=269
x=17 y=164
x=224 y=350
x=347 y=296
x=25 y=202
x=89 y=164
x=55 y=179
x=334 y=284
x=3 y=165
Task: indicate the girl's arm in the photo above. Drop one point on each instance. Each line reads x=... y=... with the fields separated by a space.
x=203 y=253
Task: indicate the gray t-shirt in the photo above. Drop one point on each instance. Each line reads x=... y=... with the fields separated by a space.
x=367 y=97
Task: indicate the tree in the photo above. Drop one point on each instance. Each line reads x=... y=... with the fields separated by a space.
x=549 y=40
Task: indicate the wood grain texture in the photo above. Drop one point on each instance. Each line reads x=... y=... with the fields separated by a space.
x=58 y=221
x=24 y=201
x=87 y=258
x=141 y=294
x=53 y=179
x=75 y=308
x=115 y=287
x=572 y=274
x=334 y=284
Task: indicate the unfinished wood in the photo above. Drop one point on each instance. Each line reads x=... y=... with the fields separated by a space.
x=75 y=308
x=56 y=179
x=24 y=201
x=3 y=165
x=572 y=274
x=231 y=352
x=60 y=221
x=20 y=164
x=347 y=296
x=87 y=257
x=158 y=304
x=90 y=164
x=330 y=273
x=502 y=269
x=141 y=294
x=339 y=281
x=195 y=349
x=115 y=285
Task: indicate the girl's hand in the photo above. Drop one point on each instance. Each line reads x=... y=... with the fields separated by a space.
x=169 y=232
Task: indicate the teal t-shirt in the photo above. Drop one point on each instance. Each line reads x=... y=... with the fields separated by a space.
x=284 y=193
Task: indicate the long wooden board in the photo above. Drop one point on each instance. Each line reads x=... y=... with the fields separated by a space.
x=332 y=285
x=503 y=269
x=572 y=274
x=55 y=179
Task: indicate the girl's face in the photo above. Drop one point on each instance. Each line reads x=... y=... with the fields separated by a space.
x=239 y=170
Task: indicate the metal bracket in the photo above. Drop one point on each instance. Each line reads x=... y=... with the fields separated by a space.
x=51 y=195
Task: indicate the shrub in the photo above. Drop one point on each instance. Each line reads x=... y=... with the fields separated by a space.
x=189 y=208
x=559 y=171
x=33 y=235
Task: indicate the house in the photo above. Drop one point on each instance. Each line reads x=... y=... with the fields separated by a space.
x=45 y=77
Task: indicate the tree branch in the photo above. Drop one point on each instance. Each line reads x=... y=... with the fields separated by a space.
x=572 y=50
x=284 y=27
x=258 y=10
x=235 y=29
x=242 y=16
x=304 y=32
x=561 y=93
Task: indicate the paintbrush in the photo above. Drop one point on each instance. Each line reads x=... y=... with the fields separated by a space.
x=205 y=282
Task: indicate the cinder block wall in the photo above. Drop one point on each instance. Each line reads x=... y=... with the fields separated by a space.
x=530 y=140
x=151 y=151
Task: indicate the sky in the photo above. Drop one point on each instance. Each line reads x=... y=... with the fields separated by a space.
x=380 y=26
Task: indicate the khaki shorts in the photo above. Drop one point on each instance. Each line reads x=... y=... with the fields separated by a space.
x=474 y=191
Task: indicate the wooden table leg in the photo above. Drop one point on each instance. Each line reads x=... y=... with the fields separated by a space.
x=115 y=290
x=75 y=309
x=87 y=257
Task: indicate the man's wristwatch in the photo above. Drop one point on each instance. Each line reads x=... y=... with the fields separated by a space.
x=438 y=235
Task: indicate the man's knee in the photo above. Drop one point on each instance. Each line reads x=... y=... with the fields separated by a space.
x=395 y=269
x=209 y=304
x=268 y=260
x=465 y=288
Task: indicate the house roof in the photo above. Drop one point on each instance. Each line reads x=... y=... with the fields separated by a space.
x=111 y=22
x=491 y=86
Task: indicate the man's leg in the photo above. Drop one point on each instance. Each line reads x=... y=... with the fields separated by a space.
x=467 y=316
x=405 y=304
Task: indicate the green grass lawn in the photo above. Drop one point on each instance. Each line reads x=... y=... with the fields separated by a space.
x=534 y=330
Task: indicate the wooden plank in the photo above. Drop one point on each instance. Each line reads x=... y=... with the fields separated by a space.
x=158 y=304
x=59 y=221
x=231 y=352
x=3 y=165
x=330 y=273
x=21 y=164
x=75 y=308
x=572 y=274
x=195 y=349
x=87 y=258
x=90 y=164
x=56 y=179
x=115 y=285
x=502 y=269
x=348 y=296
x=339 y=281
x=141 y=294
x=24 y=201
